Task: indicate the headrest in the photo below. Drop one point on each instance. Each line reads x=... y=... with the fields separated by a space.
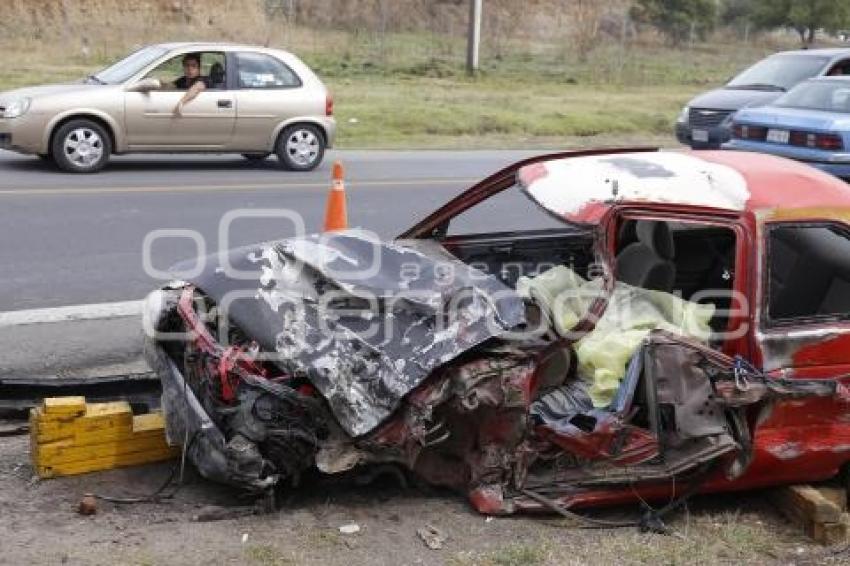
x=657 y=237
x=217 y=71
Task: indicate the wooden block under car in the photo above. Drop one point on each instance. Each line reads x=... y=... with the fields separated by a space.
x=820 y=514
x=69 y=436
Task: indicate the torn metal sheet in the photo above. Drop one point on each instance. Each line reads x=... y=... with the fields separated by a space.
x=365 y=321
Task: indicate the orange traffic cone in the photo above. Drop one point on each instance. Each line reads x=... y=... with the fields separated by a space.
x=336 y=217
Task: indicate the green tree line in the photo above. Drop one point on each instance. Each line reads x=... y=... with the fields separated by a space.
x=682 y=20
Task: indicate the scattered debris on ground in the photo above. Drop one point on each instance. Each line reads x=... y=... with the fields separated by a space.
x=432 y=537
x=716 y=529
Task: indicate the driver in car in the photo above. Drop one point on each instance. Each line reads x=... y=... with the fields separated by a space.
x=191 y=80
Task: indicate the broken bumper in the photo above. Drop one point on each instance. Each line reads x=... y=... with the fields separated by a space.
x=189 y=425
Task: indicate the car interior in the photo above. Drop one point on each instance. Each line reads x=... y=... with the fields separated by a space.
x=213 y=65
x=694 y=261
x=839 y=68
x=809 y=270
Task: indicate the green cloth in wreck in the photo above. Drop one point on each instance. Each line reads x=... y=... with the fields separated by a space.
x=632 y=313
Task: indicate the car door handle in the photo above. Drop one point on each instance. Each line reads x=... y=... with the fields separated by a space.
x=225 y=104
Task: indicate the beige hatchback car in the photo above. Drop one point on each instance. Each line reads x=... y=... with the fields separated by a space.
x=256 y=101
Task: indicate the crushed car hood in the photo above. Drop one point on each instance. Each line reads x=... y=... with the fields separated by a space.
x=364 y=321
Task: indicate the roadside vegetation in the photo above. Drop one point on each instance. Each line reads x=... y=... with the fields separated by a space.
x=553 y=73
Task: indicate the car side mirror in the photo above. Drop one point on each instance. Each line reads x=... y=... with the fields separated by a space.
x=145 y=85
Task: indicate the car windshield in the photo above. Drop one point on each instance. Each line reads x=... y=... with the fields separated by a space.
x=779 y=72
x=119 y=72
x=830 y=96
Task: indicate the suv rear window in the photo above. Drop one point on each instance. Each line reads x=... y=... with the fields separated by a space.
x=258 y=70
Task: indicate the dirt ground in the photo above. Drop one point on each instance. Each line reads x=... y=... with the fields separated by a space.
x=39 y=525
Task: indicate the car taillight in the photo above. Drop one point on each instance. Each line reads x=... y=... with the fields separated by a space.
x=816 y=141
x=329 y=105
x=745 y=132
x=829 y=142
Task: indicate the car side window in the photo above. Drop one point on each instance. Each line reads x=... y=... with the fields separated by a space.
x=840 y=68
x=809 y=272
x=259 y=70
x=213 y=65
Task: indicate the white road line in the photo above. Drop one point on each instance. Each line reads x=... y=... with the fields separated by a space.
x=69 y=313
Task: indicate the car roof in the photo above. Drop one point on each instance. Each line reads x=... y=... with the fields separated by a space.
x=826 y=52
x=581 y=189
x=213 y=45
x=827 y=78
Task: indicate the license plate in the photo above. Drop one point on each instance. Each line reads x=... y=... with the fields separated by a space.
x=699 y=135
x=778 y=136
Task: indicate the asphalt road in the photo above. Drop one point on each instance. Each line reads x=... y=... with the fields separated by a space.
x=78 y=239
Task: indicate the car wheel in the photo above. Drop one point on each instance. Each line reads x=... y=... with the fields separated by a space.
x=255 y=156
x=301 y=147
x=81 y=146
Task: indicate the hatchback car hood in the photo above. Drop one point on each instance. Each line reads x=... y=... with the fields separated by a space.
x=582 y=189
x=801 y=118
x=733 y=98
x=35 y=91
x=396 y=312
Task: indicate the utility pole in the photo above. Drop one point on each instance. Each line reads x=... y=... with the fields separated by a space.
x=473 y=37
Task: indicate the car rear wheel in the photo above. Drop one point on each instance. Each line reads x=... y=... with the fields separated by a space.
x=255 y=156
x=81 y=146
x=301 y=147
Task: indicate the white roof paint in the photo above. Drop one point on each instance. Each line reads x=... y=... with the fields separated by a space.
x=571 y=184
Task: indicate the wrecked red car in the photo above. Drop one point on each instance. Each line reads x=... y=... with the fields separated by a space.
x=640 y=325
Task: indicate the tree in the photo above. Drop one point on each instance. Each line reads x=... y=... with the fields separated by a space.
x=804 y=16
x=677 y=19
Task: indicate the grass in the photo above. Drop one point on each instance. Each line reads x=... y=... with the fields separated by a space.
x=266 y=555
x=409 y=90
x=514 y=554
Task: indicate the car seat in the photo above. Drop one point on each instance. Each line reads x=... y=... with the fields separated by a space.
x=648 y=261
x=217 y=75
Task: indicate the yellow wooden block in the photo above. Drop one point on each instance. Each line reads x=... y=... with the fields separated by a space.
x=101 y=436
x=93 y=414
x=86 y=423
x=64 y=405
x=69 y=451
x=106 y=463
x=148 y=421
x=95 y=436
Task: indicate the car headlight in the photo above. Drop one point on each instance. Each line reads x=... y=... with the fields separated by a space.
x=17 y=108
x=683 y=115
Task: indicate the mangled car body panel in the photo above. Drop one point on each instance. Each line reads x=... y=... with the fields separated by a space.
x=299 y=299
x=485 y=383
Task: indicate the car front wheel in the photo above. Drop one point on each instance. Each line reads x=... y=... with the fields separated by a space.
x=301 y=147
x=81 y=146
